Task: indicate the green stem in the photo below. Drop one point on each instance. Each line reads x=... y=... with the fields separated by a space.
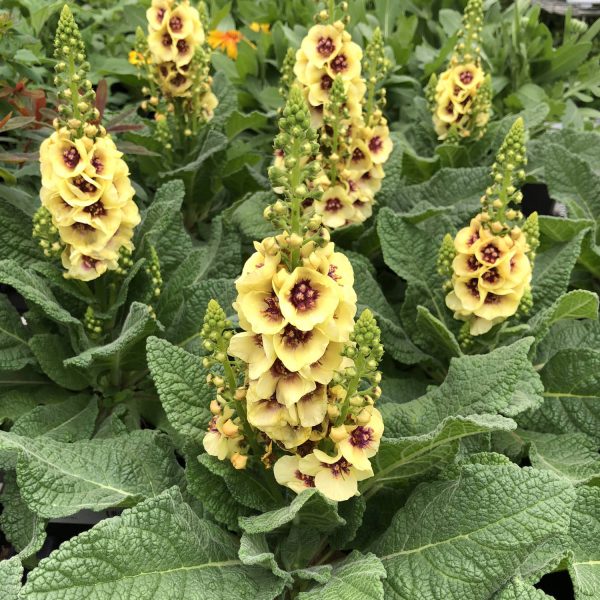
x=359 y=363
x=332 y=11
x=295 y=181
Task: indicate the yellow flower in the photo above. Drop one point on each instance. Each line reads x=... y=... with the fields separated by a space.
x=310 y=410
x=254 y=349
x=467 y=77
x=158 y=14
x=287 y=473
x=225 y=40
x=263 y=27
x=61 y=157
x=361 y=442
x=298 y=349
x=321 y=44
x=335 y=477
x=346 y=62
x=136 y=58
x=360 y=156
x=82 y=266
x=261 y=312
x=216 y=442
x=258 y=272
x=335 y=207
x=287 y=386
x=379 y=144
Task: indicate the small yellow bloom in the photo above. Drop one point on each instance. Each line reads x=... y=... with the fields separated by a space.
x=136 y=58
x=226 y=41
x=263 y=27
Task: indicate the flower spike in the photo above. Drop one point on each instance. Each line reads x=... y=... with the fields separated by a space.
x=296 y=387
x=493 y=256
x=86 y=194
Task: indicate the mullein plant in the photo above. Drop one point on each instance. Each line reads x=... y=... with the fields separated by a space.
x=460 y=98
x=343 y=90
x=174 y=59
x=295 y=389
x=490 y=262
x=88 y=213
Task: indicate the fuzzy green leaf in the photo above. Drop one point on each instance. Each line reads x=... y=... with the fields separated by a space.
x=51 y=350
x=310 y=507
x=180 y=380
x=357 y=577
x=502 y=381
x=519 y=590
x=11 y=573
x=14 y=351
x=465 y=538
x=573 y=456
x=159 y=549
x=584 y=567
x=58 y=479
x=16 y=240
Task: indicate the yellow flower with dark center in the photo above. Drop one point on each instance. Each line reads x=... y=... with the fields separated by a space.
x=226 y=41
x=335 y=207
x=287 y=386
x=322 y=44
x=254 y=349
x=361 y=442
x=82 y=266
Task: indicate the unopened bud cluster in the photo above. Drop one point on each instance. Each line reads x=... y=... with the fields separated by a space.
x=492 y=264
x=85 y=182
x=346 y=109
x=461 y=97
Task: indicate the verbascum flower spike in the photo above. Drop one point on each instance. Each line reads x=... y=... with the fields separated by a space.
x=492 y=264
x=304 y=381
x=85 y=182
x=347 y=111
x=176 y=57
x=460 y=98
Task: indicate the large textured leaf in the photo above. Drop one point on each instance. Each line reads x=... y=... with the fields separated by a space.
x=254 y=550
x=159 y=549
x=35 y=290
x=570 y=455
x=502 y=381
x=127 y=349
x=357 y=577
x=212 y=491
x=180 y=380
x=552 y=272
x=572 y=180
x=11 y=573
x=14 y=351
x=21 y=526
x=567 y=335
x=58 y=479
x=16 y=241
x=68 y=421
x=519 y=590
x=404 y=458
x=467 y=537
x=51 y=350
x=310 y=508
x=583 y=543
x=571 y=394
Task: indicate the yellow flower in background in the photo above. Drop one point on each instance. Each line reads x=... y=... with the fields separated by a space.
x=262 y=27
x=136 y=58
x=226 y=41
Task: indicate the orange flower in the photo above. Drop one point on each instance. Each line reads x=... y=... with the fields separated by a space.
x=225 y=40
x=136 y=58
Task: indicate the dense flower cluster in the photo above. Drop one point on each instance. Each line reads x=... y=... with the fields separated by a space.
x=460 y=98
x=492 y=263
x=175 y=57
x=85 y=181
x=353 y=133
x=310 y=372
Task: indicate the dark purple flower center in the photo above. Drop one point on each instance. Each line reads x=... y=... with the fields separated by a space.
x=333 y=205
x=166 y=40
x=325 y=46
x=293 y=337
x=303 y=296
x=84 y=185
x=361 y=437
x=307 y=480
x=357 y=155
x=271 y=310
x=89 y=262
x=326 y=82
x=71 y=157
x=473 y=287
x=339 y=63
x=160 y=14
x=182 y=46
x=82 y=227
x=466 y=77
x=339 y=468
x=278 y=369
x=97 y=164
x=491 y=276
x=375 y=144
x=176 y=24
x=333 y=273
x=490 y=253
x=96 y=210
x=492 y=299
x=179 y=79
x=473 y=264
